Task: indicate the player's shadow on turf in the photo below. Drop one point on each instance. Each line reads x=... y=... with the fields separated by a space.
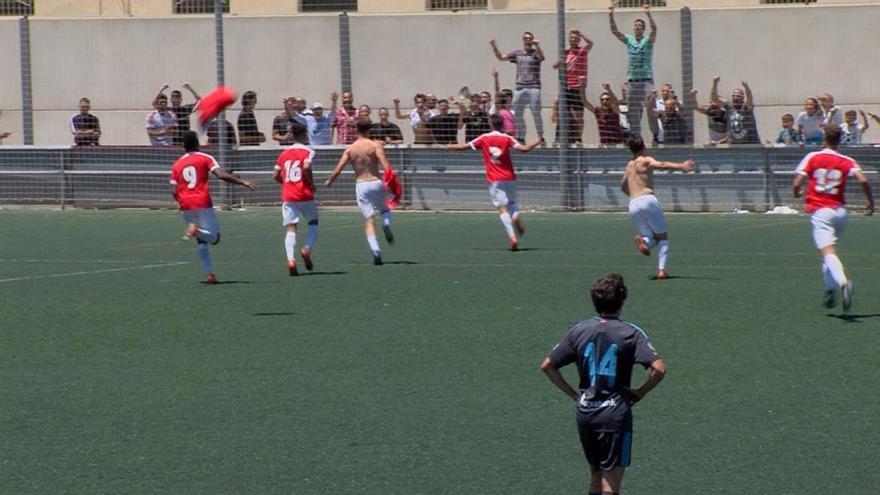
x=316 y=274
x=854 y=318
x=227 y=282
x=401 y=262
x=281 y=313
x=683 y=277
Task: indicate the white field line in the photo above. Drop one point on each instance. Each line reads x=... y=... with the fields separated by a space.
x=93 y=272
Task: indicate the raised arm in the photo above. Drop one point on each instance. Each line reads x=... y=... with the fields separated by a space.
x=495 y=80
x=500 y=56
x=189 y=88
x=583 y=92
x=338 y=170
x=750 y=102
x=651 y=23
x=696 y=104
x=587 y=41
x=650 y=104
x=714 y=94
x=614 y=31
x=161 y=91
x=615 y=103
x=864 y=121
x=539 y=54
x=397 y=113
x=685 y=166
x=233 y=179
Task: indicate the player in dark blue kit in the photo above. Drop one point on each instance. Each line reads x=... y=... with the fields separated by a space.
x=605 y=349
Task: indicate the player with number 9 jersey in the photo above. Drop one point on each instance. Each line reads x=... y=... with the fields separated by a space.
x=189 y=175
x=292 y=165
x=827 y=171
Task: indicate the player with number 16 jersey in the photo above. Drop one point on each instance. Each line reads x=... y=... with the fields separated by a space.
x=293 y=170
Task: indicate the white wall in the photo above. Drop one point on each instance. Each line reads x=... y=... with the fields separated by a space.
x=120 y=62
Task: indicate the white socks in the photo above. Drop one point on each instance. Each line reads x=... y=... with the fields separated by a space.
x=374 y=244
x=207 y=236
x=662 y=254
x=649 y=241
x=508 y=224
x=833 y=268
x=205 y=257
x=290 y=245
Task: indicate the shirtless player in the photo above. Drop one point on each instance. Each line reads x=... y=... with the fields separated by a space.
x=644 y=209
x=365 y=156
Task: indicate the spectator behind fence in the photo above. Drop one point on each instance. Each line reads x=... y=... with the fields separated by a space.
x=84 y=126
x=4 y=134
x=576 y=67
x=181 y=111
x=476 y=118
x=810 y=123
x=507 y=121
x=214 y=132
x=741 y=124
x=623 y=108
x=365 y=112
x=832 y=113
x=386 y=131
x=283 y=122
x=444 y=126
x=528 y=83
x=850 y=131
x=345 y=121
x=607 y=115
x=675 y=129
x=320 y=125
x=298 y=107
x=788 y=136
x=161 y=123
x=640 y=73
x=716 y=118
x=418 y=119
x=659 y=104
x=248 y=132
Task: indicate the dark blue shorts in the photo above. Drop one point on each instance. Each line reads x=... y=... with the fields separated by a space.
x=606 y=450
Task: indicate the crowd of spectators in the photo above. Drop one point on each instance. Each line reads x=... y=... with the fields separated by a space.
x=439 y=121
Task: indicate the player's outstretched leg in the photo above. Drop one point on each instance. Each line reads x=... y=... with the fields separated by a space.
x=830 y=299
x=516 y=219
x=306 y=251
x=662 y=255
x=507 y=222
x=370 y=231
x=205 y=258
x=290 y=249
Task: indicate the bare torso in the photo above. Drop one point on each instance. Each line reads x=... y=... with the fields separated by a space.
x=639 y=177
x=363 y=158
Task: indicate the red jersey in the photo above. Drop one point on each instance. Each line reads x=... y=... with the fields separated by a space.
x=496 y=155
x=296 y=184
x=575 y=66
x=827 y=171
x=190 y=176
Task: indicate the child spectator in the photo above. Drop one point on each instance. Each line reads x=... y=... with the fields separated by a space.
x=850 y=131
x=788 y=136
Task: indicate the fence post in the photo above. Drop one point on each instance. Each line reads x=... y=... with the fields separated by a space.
x=220 y=62
x=27 y=103
x=344 y=52
x=687 y=69
x=566 y=175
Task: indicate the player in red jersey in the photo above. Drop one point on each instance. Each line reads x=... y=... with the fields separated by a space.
x=293 y=171
x=826 y=172
x=189 y=178
x=496 y=147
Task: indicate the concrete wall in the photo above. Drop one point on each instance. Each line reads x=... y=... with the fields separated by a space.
x=120 y=62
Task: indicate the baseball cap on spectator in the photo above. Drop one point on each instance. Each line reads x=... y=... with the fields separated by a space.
x=317 y=105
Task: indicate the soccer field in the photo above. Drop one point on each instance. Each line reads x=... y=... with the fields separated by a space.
x=123 y=373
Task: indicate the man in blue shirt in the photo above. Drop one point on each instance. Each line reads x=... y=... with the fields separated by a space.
x=640 y=73
x=320 y=124
x=605 y=349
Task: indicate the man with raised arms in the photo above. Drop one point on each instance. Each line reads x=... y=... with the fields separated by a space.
x=644 y=208
x=365 y=156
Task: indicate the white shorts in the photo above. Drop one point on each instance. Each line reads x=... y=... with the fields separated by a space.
x=204 y=218
x=292 y=210
x=371 y=195
x=647 y=215
x=502 y=193
x=828 y=223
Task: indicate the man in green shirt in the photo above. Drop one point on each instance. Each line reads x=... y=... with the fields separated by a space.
x=639 y=74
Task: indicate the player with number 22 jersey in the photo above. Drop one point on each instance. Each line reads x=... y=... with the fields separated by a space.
x=826 y=173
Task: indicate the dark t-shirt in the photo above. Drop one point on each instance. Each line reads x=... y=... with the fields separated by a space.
x=741 y=125
x=247 y=127
x=674 y=127
x=475 y=125
x=605 y=351
x=385 y=132
x=282 y=125
x=82 y=122
x=214 y=133
x=444 y=128
x=183 y=114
